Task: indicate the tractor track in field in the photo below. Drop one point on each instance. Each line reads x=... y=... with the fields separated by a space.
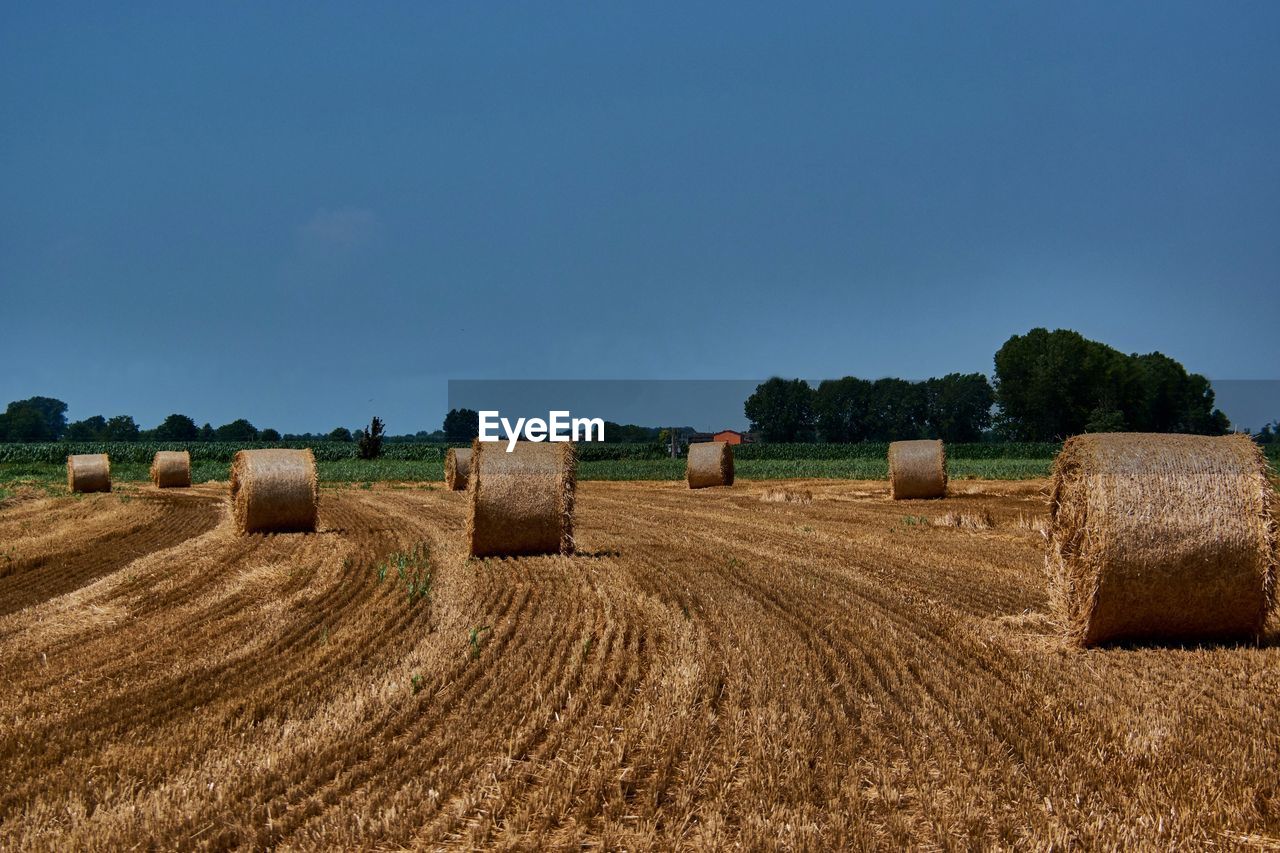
x=709 y=671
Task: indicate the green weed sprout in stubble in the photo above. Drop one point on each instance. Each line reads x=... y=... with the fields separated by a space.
x=414 y=570
x=477 y=638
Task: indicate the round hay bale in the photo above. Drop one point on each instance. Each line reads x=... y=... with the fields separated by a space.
x=917 y=469
x=710 y=463
x=522 y=501
x=171 y=469
x=274 y=490
x=457 y=465
x=1161 y=537
x=89 y=472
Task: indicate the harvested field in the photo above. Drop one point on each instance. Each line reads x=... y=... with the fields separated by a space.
x=711 y=669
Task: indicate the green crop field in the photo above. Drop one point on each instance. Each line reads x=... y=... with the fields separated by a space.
x=43 y=465
x=340 y=451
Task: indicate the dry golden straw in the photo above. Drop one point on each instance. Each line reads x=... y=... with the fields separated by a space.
x=274 y=490
x=787 y=496
x=89 y=472
x=522 y=501
x=710 y=463
x=917 y=469
x=1161 y=537
x=704 y=679
x=457 y=465
x=171 y=469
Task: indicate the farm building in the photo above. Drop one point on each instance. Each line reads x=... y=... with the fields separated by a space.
x=728 y=436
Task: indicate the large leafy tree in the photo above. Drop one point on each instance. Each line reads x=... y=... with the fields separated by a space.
x=120 y=428
x=238 y=430
x=24 y=423
x=958 y=406
x=52 y=411
x=899 y=410
x=34 y=419
x=461 y=425
x=782 y=410
x=177 y=428
x=90 y=429
x=1050 y=385
x=841 y=409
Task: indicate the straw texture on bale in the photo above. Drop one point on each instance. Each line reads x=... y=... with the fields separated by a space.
x=457 y=465
x=522 y=501
x=171 y=469
x=89 y=472
x=274 y=490
x=1161 y=537
x=710 y=463
x=917 y=469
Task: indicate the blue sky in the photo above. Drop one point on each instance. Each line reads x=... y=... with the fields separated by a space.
x=305 y=214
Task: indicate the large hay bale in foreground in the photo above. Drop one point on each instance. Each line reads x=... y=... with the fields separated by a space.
x=274 y=491
x=89 y=472
x=522 y=501
x=710 y=463
x=457 y=465
x=1165 y=537
x=171 y=469
x=917 y=469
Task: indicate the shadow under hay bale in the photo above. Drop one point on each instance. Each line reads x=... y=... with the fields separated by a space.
x=89 y=472
x=457 y=467
x=1161 y=537
x=522 y=501
x=917 y=469
x=274 y=491
x=710 y=463
x=171 y=469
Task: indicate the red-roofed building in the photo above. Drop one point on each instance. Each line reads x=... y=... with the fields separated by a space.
x=730 y=436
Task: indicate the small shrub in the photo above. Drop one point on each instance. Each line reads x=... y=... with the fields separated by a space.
x=370 y=444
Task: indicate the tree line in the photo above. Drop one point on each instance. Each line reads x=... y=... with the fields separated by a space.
x=45 y=419
x=1048 y=385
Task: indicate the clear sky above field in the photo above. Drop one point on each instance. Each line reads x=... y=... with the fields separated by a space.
x=305 y=214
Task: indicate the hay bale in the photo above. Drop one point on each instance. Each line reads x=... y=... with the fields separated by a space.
x=1161 y=537
x=171 y=469
x=917 y=469
x=457 y=465
x=89 y=472
x=710 y=463
x=274 y=490
x=522 y=501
